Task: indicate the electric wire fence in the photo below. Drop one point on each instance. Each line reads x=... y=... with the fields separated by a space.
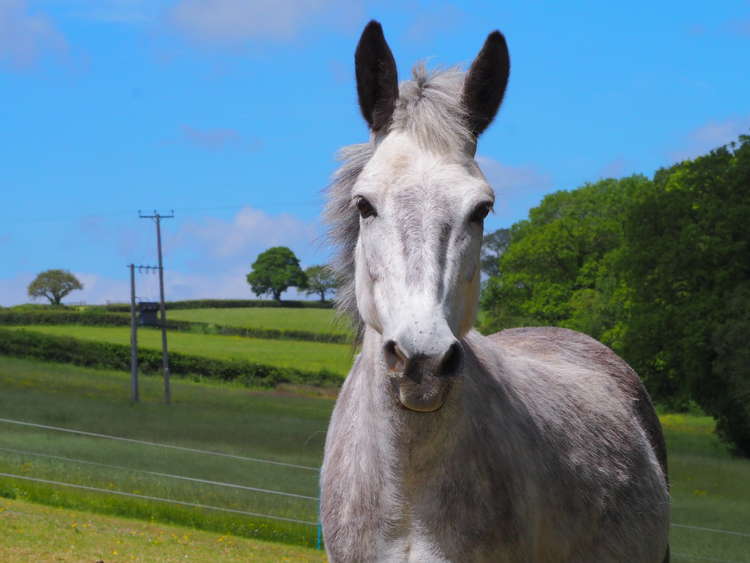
x=163 y=478
x=228 y=485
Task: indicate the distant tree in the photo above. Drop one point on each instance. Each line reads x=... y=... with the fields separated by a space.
x=493 y=246
x=320 y=280
x=54 y=285
x=274 y=271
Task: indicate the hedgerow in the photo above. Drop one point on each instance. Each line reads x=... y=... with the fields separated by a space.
x=26 y=344
x=58 y=317
x=229 y=304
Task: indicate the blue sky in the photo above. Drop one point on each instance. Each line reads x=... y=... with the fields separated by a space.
x=230 y=112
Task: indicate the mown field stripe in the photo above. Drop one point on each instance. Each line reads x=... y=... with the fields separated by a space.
x=714 y=530
x=157 y=444
x=156 y=499
x=158 y=474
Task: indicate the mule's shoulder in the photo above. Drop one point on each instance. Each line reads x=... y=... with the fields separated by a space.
x=555 y=344
x=563 y=344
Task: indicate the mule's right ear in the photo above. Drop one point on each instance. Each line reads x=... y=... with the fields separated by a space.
x=377 y=77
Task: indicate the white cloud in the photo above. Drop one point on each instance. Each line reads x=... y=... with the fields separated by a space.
x=218 y=138
x=232 y=22
x=13 y=289
x=26 y=36
x=439 y=20
x=739 y=27
x=615 y=168
x=248 y=233
x=517 y=188
x=712 y=135
x=205 y=257
x=99 y=289
x=117 y=11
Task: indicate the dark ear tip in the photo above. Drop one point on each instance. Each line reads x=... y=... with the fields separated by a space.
x=373 y=28
x=497 y=40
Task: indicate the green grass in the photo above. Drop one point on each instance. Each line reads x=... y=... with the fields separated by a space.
x=312 y=356
x=710 y=488
x=311 y=320
x=271 y=425
x=30 y=532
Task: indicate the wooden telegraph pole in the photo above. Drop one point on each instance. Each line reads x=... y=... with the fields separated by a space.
x=134 y=396
x=162 y=309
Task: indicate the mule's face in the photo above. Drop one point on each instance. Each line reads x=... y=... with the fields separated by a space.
x=417 y=261
x=421 y=218
x=417 y=257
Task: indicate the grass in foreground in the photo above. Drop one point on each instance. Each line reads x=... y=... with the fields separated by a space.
x=311 y=356
x=710 y=489
x=311 y=320
x=31 y=532
x=225 y=418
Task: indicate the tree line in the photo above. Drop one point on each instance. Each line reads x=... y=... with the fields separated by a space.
x=656 y=268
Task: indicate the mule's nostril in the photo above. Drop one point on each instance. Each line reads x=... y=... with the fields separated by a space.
x=451 y=360
x=394 y=357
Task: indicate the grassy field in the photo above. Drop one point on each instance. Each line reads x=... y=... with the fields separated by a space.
x=274 y=426
x=31 y=532
x=298 y=354
x=710 y=489
x=312 y=320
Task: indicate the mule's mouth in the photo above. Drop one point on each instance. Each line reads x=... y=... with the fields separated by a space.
x=427 y=395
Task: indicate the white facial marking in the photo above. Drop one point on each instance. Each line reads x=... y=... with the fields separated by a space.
x=417 y=257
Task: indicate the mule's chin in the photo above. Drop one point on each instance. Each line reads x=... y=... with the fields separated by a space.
x=427 y=395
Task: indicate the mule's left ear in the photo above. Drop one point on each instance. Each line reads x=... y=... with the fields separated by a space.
x=377 y=78
x=485 y=83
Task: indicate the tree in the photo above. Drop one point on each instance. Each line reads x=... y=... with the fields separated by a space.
x=274 y=271
x=558 y=267
x=54 y=285
x=493 y=247
x=687 y=257
x=320 y=279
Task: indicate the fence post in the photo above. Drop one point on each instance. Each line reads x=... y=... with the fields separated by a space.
x=319 y=542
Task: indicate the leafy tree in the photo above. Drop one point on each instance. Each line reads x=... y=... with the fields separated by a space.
x=493 y=246
x=558 y=267
x=320 y=280
x=687 y=259
x=658 y=269
x=54 y=285
x=274 y=271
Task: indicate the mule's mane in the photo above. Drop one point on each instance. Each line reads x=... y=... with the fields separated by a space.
x=429 y=109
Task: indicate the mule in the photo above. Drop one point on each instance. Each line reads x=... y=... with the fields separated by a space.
x=529 y=445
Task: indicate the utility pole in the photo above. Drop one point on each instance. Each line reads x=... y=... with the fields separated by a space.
x=162 y=309
x=133 y=339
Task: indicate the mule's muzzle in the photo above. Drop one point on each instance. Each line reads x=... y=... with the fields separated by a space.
x=423 y=382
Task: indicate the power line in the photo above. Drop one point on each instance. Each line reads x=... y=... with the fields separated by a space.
x=157 y=444
x=159 y=474
x=157 y=499
x=715 y=530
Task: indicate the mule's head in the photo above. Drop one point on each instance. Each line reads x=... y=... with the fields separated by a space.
x=422 y=200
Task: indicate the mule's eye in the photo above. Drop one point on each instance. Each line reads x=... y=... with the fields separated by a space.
x=480 y=212
x=365 y=208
